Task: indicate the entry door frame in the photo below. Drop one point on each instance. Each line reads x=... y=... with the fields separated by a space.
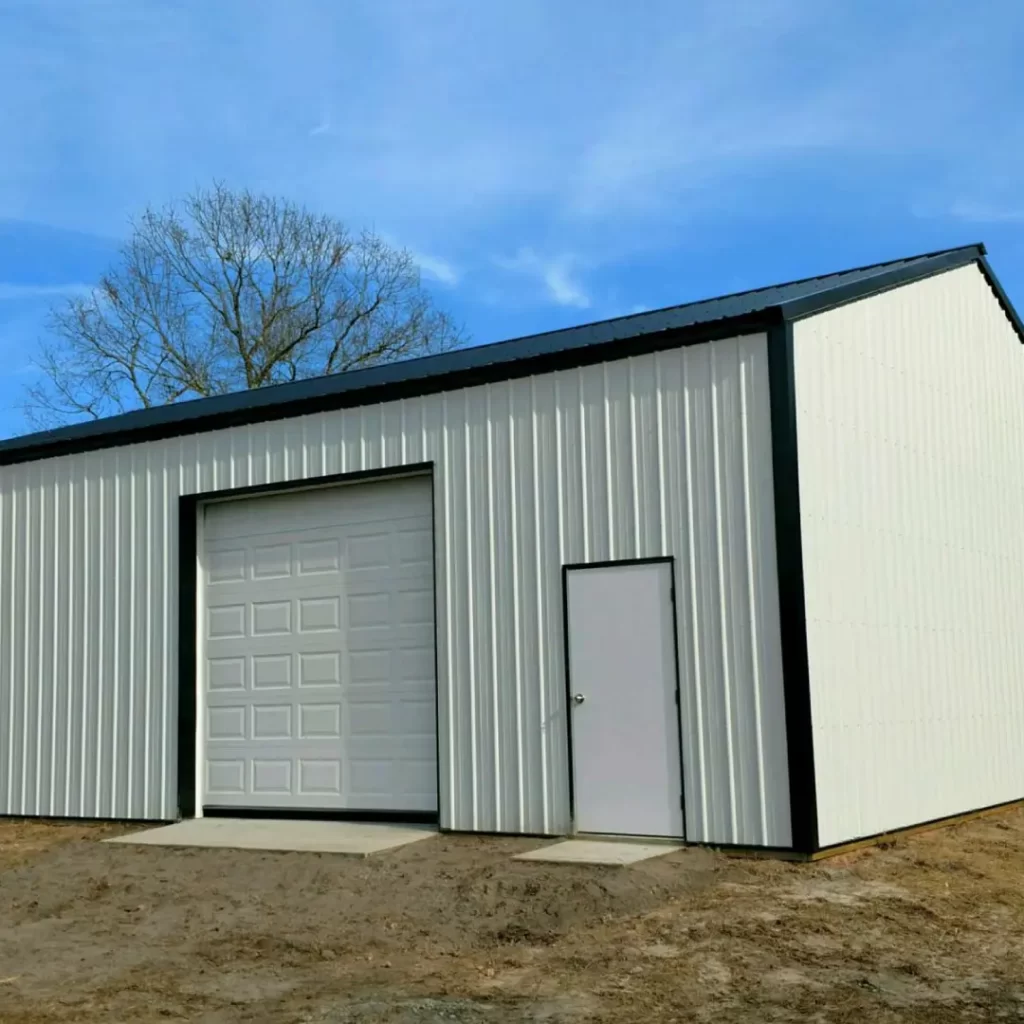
x=617 y=563
x=190 y=650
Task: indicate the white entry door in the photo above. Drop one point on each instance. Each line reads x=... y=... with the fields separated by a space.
x=623 y=687
x=318 y=650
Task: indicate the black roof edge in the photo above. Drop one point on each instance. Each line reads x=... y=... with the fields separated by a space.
x=922 y=267
x=1001 y=297
x=484 y=364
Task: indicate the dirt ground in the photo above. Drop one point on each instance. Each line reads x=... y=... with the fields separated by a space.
x=449 y=929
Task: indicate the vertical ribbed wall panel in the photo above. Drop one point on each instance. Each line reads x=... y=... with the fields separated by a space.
x=661 y=454
x=911 y=448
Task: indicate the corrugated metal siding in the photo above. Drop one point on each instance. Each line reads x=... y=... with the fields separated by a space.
x=911 y=447
x=662 y=454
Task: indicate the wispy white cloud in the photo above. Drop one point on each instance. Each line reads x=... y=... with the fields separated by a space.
x=977 y=212
x=458 y=121
x=558 y=276
x=436 y=268
x=563 y=287
x=323 y=127
x=11 y=292
x=483 y=127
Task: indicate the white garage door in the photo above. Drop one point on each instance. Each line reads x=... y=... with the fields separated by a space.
x=319 y=650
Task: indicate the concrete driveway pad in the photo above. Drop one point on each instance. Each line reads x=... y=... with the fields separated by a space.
x=357 y=839
x=595 y=851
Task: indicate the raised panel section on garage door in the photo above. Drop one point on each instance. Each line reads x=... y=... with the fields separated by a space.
x=318 y=650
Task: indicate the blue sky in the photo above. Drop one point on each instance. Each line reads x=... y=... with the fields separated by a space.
x=549 y=163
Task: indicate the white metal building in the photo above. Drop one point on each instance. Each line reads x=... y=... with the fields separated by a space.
x=744 y=571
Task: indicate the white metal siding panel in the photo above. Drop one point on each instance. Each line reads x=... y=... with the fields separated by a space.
x=911 y=449
x=665 y=454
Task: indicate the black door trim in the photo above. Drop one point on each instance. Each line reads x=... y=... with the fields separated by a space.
x=619 y=563
x=188 y=563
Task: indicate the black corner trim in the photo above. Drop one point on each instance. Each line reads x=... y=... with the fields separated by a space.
x=792 y=613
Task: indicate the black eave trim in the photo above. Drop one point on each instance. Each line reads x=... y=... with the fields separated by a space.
x=796 y=684
x=840 y=295
x=608 y=564
x=619 y=338
x=411 y=378
x=188 y=511
x=1001 y=296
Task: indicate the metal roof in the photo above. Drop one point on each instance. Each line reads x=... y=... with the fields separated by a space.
x=738 y=313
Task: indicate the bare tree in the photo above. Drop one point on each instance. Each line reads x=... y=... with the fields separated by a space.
x=230 y=291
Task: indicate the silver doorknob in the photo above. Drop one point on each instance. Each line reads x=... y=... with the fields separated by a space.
x=578 y=698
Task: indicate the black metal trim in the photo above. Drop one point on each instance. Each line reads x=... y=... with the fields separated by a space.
x=437 y=666
x=673 y=327
x=413 y=378
x=1001 y=296
x=314 y=483
x=615 y=564
x=679 y=693
x=188 y=511
x=188 y=559
x=796 y=684
x=749 y=848
x=841 y=295
x=320 y=814
x=570 y=754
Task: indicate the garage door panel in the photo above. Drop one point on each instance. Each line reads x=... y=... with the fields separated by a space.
x=227 y=674
x=226 y=723
x=367 y=639
x=316 y=556
x=270 y=672
x=271 y=776
x=415 y=548
x=365 y=505
x=385 y=715
x=369 y=552
x=319 y=650
x=225 y=777
x=320 y=776
x=228 y=566
x=226 y=621
x=414 y=663
x=417 y=778
x=382 y=746
x=320 y=720
x=271 y=562
x=319 y=668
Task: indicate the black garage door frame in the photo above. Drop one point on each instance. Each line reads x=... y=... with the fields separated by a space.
x=188 y=667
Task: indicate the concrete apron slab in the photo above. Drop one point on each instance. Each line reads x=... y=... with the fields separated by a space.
x=595 y=851
x=353 y=838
